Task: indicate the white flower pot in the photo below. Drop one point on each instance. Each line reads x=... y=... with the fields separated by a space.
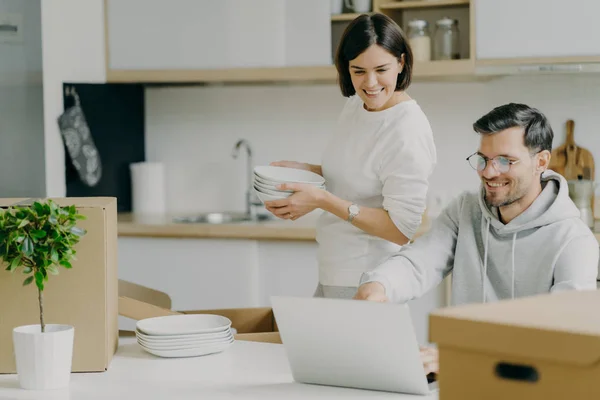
x=44 y=359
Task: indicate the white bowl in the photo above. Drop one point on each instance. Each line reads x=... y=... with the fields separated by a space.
x=282 y=175
x=268 y=197
x=269 y=186
x=273 y=184
x=184 y=324
x=277 y=193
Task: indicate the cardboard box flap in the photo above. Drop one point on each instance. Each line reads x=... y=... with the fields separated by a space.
x=144 y=294
x=139 y=302
x=246 y=320
x=138 y=310
x=562 y=327
x=81 y=202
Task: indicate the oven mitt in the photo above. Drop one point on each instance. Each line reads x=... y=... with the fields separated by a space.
x=80 y=145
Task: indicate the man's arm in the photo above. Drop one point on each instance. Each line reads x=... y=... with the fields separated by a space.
x=577 y=265
x=419 y=266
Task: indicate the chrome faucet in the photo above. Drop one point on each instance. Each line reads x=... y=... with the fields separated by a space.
x=249 y=172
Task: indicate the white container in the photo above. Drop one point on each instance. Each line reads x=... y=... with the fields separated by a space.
x=148 y=188
x=420 y=41
x=44 y=359
x=337 y=6
x=358 y=6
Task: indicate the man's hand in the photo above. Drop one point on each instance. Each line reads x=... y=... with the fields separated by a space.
x=371 y=291
x=429 y=356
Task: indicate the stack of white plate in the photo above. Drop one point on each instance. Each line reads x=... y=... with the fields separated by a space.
x=267 y=178
x=186 y=335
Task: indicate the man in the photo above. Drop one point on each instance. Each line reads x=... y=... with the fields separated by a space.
x=520 y=235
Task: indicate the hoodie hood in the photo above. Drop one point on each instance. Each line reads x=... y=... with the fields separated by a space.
x=552 y=205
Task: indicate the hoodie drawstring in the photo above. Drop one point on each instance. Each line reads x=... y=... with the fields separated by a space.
x=513 y=264
x=485 y=257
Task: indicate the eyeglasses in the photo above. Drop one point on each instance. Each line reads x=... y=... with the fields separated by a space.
x=501 y=163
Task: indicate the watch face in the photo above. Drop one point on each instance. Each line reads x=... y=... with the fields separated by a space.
x=354 y=209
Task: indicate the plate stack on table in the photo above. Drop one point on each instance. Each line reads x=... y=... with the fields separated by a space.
x=188 y=335
x=267 y=178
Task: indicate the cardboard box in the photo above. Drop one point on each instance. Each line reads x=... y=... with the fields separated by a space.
x=539 y=347
x=256 y=324
x=85 y=296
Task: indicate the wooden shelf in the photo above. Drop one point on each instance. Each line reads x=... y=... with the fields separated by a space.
x=459 y=70
x=237 y=75
x=413 y=4
x=444 y=69
x=344 y=17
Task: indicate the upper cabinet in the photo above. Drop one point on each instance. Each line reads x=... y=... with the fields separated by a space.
x=189 y=41
x=536 y=31
x=261 y=40
x=159 y=40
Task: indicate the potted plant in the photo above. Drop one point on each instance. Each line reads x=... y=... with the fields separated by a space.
x=38 y=240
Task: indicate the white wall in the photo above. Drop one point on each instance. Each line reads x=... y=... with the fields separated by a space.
x=21 y=105
x=73 y=51
x=192 y=130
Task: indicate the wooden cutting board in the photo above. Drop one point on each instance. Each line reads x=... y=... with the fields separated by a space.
x=572 y=161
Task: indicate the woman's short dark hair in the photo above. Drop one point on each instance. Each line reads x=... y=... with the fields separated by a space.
x=365 y=31
x=538 y=132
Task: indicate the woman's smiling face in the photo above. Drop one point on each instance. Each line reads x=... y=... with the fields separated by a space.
x=374 y=75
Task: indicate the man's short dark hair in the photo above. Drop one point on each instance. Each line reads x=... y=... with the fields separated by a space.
x=365 y=31
x=538 y=132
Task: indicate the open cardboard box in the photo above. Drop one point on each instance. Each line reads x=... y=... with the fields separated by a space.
x=539 y=347
x=256 y=324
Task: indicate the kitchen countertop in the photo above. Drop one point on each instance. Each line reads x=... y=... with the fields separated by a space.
x=246 y=370
x=133 y=225
x=303 y=229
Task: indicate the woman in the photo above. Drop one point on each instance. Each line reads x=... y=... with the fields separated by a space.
x=377 y=163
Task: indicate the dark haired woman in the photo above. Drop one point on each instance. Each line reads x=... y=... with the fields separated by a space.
x=377 y=163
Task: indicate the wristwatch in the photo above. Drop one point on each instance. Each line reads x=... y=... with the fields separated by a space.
x=353 y=211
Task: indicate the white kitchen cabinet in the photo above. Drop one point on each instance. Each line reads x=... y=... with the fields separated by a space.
x=231 y=273
x=207 y=34
x=196 y=273
x=546 y=29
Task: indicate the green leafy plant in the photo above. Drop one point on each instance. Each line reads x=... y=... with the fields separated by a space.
x=39 y=239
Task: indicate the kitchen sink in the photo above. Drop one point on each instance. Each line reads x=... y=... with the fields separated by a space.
x=219 y=218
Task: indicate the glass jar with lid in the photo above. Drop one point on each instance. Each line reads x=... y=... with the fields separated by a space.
x=419 y=40
x=446 y=40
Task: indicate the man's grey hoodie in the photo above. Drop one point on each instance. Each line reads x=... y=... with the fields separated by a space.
x=546 y=248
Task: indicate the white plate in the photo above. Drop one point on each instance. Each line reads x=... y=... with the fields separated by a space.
x=193 y=352
x=183 y=338
x=183 y=324
x=282 y=174
x=181 y=346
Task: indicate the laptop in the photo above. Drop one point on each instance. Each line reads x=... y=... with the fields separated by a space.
x=351 y=343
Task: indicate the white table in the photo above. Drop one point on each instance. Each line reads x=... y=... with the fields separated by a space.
x=246 y=370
